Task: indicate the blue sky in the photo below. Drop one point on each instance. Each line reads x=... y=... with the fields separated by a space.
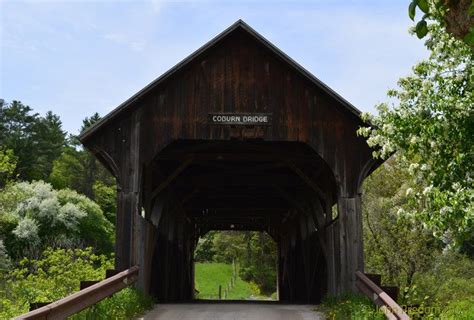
x=78 y=57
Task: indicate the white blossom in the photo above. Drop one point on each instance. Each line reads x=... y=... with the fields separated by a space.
x=427 y=190
x=27 y=229
x=70 y=215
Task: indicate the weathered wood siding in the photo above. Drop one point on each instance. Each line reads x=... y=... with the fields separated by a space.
x=241 y=75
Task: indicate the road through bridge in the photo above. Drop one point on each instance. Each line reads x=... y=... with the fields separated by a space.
x=232 y=311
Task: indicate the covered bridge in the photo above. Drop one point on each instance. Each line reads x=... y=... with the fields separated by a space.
x=237 y=136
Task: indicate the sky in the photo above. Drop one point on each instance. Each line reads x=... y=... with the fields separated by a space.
x=79 y=57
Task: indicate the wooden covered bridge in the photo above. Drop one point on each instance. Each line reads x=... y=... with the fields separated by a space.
x=237 y=136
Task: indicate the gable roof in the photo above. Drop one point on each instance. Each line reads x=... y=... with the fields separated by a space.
x=239 y=24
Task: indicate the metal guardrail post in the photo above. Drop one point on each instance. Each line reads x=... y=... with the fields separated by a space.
x=388 y=306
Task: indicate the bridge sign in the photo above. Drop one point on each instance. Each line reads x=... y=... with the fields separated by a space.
x=247 y=119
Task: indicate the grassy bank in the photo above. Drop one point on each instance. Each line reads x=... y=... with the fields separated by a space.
x=208 y=277
x=350 y=306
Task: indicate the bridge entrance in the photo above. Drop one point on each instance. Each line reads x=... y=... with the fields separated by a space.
x=274 y=187
x=237 y=136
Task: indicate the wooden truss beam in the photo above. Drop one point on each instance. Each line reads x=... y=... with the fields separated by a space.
x=171 y=177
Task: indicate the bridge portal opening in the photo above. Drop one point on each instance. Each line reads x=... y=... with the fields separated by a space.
x=236 y=265
x=280 y=190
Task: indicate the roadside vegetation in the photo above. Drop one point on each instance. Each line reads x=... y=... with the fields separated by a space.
x=350 y=306
x=57 y=215
x=418 y=207
x=58 y=273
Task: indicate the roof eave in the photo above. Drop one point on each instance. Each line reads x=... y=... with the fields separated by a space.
x=84 y=136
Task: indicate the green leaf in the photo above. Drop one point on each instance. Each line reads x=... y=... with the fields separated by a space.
x=412 y=10
x=423 y=5
x=470 y=11
x=421 y=29
x=469 y=38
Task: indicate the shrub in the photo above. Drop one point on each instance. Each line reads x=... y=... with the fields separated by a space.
x=57 y=274
x=4 y=258
x=445 y=288
x=350 y=306
x=459 y=310
x=34 y=216
x=125 y=304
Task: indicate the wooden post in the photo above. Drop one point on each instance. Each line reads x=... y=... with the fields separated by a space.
x=220 y=292
x=233 y=268
x=128 y=197
x=351 y=250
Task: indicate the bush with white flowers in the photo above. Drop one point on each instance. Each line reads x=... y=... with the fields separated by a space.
x=33 y=216
x=430 y=125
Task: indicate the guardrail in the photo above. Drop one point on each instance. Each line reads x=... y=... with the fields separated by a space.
x=82 y=299
x=388 y=306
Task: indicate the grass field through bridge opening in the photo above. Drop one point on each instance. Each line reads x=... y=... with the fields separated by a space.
x=209 y=275
x=242 y=263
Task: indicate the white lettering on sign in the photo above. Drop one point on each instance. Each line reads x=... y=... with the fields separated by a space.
x=240 y=119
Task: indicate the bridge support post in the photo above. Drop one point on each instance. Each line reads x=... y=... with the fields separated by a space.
x=145 y=235
x=123 y=230
x=128 y=197
x=350 y=238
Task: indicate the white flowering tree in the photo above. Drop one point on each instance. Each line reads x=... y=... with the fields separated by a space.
x=429 y=123
x=34 y=216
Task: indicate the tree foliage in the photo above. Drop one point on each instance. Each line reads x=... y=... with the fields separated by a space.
x=406 y=253
x=36 y=141
x=396 y=246
x=430 y=124
x=34 y=216
x=8 y=162
x=456 y=16
x=79 y=170
x=54 y=275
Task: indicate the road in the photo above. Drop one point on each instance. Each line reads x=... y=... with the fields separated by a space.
x=232 y=311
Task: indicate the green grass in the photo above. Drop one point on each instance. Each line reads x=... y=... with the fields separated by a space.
x=208 y=276
x=125 y=304
x=350 y=307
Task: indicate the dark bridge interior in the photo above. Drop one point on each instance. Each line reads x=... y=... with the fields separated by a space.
x=280 y=188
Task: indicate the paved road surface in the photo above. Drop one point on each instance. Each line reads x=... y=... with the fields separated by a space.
x=232 y=311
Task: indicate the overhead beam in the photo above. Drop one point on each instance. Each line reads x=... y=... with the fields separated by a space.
x=237 y=169
x=308 y=181
x=171 y=177
x=318 y=222
x=224 y=156
x=198 y=212
x=232 y=179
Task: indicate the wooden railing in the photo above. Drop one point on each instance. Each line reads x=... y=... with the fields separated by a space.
x=87 y=297
x=388 y=306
